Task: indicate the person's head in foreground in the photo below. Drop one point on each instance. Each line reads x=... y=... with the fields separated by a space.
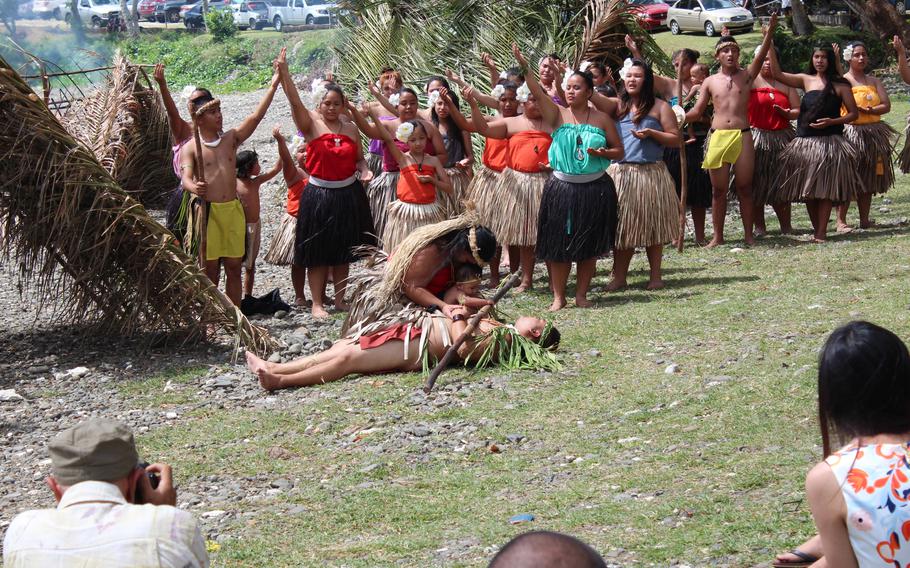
x=726 y=51
x=863 y=384
x=545 y=549
x=467 y=278
x=248 y=164
x=98 y=484
x=540 y=331
x=476 y=245
x=206 y=110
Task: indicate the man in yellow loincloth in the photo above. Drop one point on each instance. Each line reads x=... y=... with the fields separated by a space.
x=730 y=139
x=226 y=223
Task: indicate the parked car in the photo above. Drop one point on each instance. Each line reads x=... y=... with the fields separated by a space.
x=300 y=12
x=96 y=13
x=192 y=18
x=251 y=15
x=24 y=10
x=168 y=11
x=709 y=16
x=147 y=9
x=47 y=9
x=651 y=14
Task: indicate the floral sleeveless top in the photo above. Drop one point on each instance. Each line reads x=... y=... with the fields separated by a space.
x=875 y=483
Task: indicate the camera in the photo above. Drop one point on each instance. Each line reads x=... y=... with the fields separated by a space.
x=154 y=479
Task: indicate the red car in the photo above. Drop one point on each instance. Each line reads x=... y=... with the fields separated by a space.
x=147 y=9
x=651 y=14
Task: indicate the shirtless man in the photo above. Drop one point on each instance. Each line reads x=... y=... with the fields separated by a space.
x=384 y=352
x=730 y=141
x=226 y=223
x=249 y=179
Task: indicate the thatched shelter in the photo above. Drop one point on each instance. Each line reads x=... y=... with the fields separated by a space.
x=89 y=248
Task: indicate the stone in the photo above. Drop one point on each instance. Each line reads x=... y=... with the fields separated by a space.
x=297 y=510
x=594 y=353
x=171 y=415
x=213 y=514
x=275 y=358
x=295 y=349
x=78 y=372
x=671 y=369
x=420 y=431
x=326 y=344
x=282 y=484
x=225 y=381
x=280 y=314
x=370 y=468
x=302 y=331
x=279 y=453
x=515 y=438
x=10 y=395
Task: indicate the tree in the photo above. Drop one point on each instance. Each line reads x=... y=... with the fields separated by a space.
x=880 y=18
x=9 y=9
x=801 y=24
x=76 y=20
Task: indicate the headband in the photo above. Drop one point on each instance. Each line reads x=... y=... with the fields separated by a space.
x=472 y=241
x=725 y=44
x=211 y=105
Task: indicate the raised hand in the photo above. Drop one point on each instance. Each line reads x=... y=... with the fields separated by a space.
x=158 y=74
x=519 y=57
x=487 y=60
x=898 y=44
x=276 y=133
x=630 y=43
x=468 y=94
x=836 y=48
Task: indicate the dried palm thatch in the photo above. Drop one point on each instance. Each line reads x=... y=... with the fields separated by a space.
x=85 y=246
x=124 y=124
x=606 y=23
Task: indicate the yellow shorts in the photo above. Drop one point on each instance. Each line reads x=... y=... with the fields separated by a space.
x=225 y=230
x=724 y=147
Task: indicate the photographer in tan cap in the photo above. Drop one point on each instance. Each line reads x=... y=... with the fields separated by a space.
x=111 y=511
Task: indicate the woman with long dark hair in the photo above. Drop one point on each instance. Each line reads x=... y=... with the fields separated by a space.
x=578 y=215
x=819 y=166
x=459 y=166
x=874 y=139
x=333 y=218
x=648 y=209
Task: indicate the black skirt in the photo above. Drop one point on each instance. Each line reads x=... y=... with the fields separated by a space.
x=577 y=220
x=331 y=223
x=699 y=192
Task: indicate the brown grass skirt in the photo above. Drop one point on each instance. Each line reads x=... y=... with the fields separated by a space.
x=332 y=224
x=698 y=192
x=404 y=218
x=577 y=220
x=514 y=220
x=453 y=205
x=374 y=162
x=486 y=193
x=904 y=158
x=648 y=206
x=382 y=191
x=281 y=249
x=818 y=167
x=875 y=144
x=769 y=144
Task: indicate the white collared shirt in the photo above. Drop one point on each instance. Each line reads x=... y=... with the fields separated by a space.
x=93 y=526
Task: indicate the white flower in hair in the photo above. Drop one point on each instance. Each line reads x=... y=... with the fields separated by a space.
x=404 y=131
x=565 y=81
x=297 y=141
x=626 y=65
x=378 y=84
x=584 y=65
x=848 y=53
x=497 y=92
x=394 y=98
x=187 y=92
x=523 y=93
x=433 y=98
x=503 y=75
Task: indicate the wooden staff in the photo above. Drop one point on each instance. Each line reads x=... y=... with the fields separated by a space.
x=200 y=176
x=472 y=325
x=683 y=165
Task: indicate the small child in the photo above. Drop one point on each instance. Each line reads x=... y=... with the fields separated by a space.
x=465 y=290
x=699 y=73
x=249 y=181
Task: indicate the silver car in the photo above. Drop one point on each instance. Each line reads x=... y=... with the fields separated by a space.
x=708 y=16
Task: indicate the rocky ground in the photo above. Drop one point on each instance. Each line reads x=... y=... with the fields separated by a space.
x=53 y=376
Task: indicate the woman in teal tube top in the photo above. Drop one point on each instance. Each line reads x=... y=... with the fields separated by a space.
x=578 y=213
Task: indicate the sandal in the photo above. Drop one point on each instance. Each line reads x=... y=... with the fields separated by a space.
x=805 y=560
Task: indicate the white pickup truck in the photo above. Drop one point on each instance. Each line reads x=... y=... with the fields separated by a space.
x=95 y=13
x=299 y=12
x=47 y=9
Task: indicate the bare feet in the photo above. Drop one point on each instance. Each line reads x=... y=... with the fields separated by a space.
x=749 y=241
x=254 y=363
x=267 y=380
x=342 y=307
x=759 y=233
x=868 y=224
x=303 y=303
x=558 y=304
x=844 y=229
x=786 y=230
x=615 y=285
x=818 y=240
x=523 y=288
x=319 y=312
x=583 y=302
x=714 y=242
x=655 y=285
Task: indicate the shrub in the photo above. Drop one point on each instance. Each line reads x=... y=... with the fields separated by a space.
x=220 y=24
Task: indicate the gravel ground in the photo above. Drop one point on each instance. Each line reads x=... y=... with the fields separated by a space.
x=62 y=374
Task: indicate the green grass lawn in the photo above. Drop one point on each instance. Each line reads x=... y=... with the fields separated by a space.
x=704 y=466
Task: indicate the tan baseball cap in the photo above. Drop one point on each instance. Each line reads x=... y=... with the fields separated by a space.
x=95 y=450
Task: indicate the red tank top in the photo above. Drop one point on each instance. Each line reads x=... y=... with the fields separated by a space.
x=411 y=190
x=332 y=157
x=294 y=193
x=529 y=149
x=761 y=109
x=496 y=154
x=388 y=162
x=441 y=281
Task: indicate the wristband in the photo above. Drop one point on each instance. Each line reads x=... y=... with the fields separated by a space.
x=458 y=317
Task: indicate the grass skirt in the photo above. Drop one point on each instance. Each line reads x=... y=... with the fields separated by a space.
x=488 y=194
x=330 y=224
x=769 y=144
x=281 y=249
x=698 y=192
x=453 y=205
x=404 y=218
x=519 y=208
x=374 y=162
x=875 y=144
x=904 y=157
x=577 y=220
x=818 y=167
x=382 y=191
x=648 y=206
